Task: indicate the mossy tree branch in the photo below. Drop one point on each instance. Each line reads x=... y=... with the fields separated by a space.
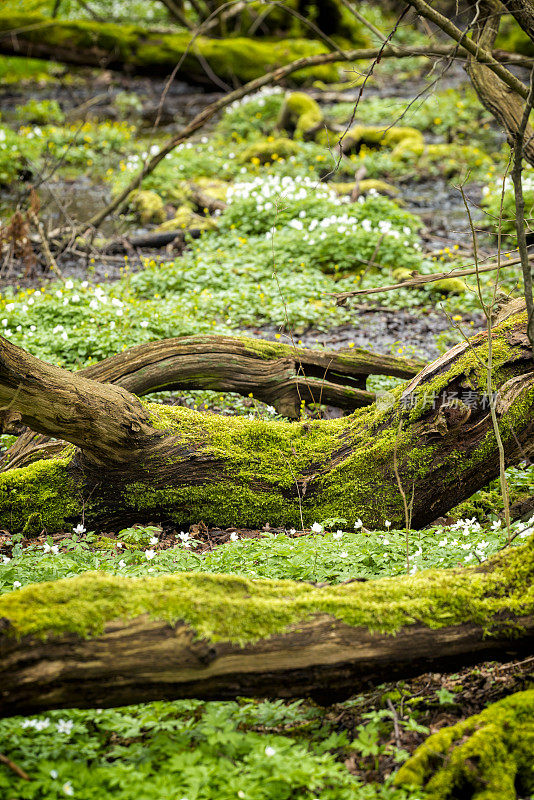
x=278 y=374
x=102 y=640
x=139 y=460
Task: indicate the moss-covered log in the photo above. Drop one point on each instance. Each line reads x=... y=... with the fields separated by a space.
x=140 y=50
x=133 y=459
x=102 y=640
x=489 y=756
x=281 y=375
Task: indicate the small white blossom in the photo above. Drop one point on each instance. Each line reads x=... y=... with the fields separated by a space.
x=317 y=527
x=496 y=525
x=387 y=523
x=234 y=537
x=67 y=788
x=358 y=524
x=343 y=554
x=17 y=584
x=292 y=531
x=337 y=535
x=79 y=529
x=122 y=563
x=149 y=554
x=64 y=725
x=6 y=559
x=270 y=751
x=154 y=540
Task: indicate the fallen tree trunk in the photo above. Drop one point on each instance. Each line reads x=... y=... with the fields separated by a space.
x=103 y=640
x=133 y=459
x=281 y=375
x=134 y=49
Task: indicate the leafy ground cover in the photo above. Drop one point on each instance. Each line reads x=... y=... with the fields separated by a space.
x=292 y=235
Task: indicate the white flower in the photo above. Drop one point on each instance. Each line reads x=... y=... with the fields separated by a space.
x=17 y=584
x=183 y=536
x=53 y=773
x=79 y=529
x=69 y=284
x=343 y=554
x=154 y=540
x=413 y=569
x=149 y=554
x=122 y=563
x=64 y=725
x=144 y=323
x=496 y=525
x=385 y=541
x=234 y=537
x=337 y=535
x=317 y=527
x=6 y=559
x=468 y=557
x=358 y=524
x=67 y=788
x=442 y=542
x=270 y=751
x=119 y=544
x=50 y=548
x=292 y=531
x=387 y=523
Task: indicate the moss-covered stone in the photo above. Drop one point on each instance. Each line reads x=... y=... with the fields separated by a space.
x=488 y=756
x=300 y=115
x=148 y=206
x=186 y=219
x=238 y=609
x=395 y=138
x=366 y=186
x=270 y=149
x=447 y=286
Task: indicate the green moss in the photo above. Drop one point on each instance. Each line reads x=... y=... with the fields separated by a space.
x=402 y=274
x=365 y=186
x=185 y=219
x=241 y=58
x=270 y=149
x=395 y=138
x=486 y=757
x=447 y=286
x=45 y=486
x=148 y=206
x=237 y=609
x=300 y=115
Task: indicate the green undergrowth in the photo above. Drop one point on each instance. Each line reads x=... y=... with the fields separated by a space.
x=332 y=556
x=238 y=609
x=188 y=749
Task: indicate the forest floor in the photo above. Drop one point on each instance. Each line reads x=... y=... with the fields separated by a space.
x=257 y=269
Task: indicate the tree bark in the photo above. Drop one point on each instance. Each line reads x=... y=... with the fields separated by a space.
x=134 y=460
x=103 y=640
x=275 y=373
x=506 y=106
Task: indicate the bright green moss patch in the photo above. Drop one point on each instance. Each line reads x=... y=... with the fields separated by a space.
x=224 y=607
x=485 y=757
x=41 y=495
x=233 y=58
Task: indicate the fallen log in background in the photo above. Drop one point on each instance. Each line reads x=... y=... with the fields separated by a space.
x=101 y=640
x=278 y=374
